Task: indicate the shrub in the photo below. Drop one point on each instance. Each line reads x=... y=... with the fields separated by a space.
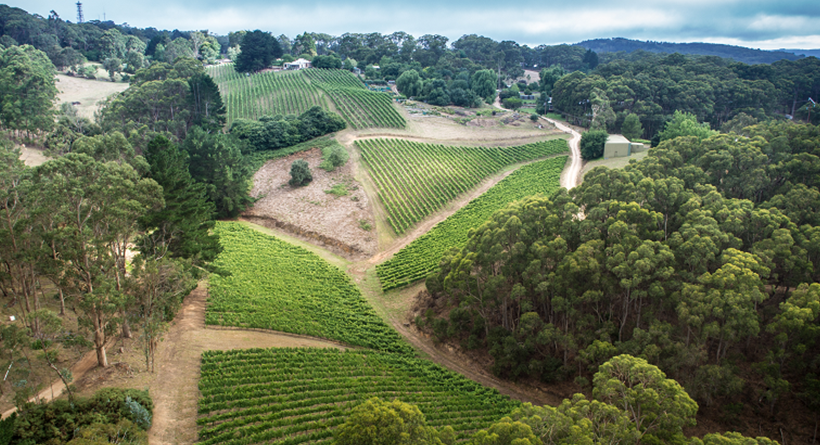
x=512 y=103
x=300 y=173
x=592 y=144
x=333 y=156
x=59 y=421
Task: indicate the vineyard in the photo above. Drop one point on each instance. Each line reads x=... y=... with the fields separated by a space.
x=422 y=256
x=292 y=396
x=276 y=285
x=293 y=92
x=416 y=179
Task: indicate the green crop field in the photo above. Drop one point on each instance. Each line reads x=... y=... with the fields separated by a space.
x=276 y=285
x=416 y=179
x=293 y=92
x=292 y=396
x=422 y=256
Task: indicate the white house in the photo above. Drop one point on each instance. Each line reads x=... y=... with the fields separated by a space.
x=298 y=64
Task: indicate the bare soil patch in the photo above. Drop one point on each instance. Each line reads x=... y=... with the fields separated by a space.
x=342 y=222
x=33 y=156
x=88 y=92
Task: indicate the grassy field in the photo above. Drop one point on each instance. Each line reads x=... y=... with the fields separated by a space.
x=612 y=162
x=88 y=92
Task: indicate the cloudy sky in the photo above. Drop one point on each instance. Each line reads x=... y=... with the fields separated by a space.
x=765 y=24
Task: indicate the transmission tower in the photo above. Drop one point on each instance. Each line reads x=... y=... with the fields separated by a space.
x=80 y=17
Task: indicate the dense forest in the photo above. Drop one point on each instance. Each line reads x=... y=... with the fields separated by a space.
x=702 y=259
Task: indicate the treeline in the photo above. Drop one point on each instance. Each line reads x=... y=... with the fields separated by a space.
x=605 y=48
x=272 y=132
x=703 y=259
x=147 y=176
x=70 y=44
x=715 y=90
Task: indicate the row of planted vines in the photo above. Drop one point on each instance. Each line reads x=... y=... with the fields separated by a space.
x=416 y=179
x=416 y=260
x=265 y=94
x=365 y=109
x=360 y=107
x=276 y=285
x=292 y=396
x=293 y=92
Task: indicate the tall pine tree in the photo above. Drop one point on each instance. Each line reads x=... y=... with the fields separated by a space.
x=182 y=227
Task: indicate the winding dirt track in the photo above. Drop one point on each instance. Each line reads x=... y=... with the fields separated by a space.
x=571 y=175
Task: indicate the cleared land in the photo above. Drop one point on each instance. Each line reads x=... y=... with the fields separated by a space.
x=87 y=92
x=611 y=163
x=332 y=211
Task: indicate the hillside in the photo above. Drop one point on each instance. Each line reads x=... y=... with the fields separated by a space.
x=738 y=53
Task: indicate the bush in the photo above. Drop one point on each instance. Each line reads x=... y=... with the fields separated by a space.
x=512 y=103
x=333 y=156
x=300 y=173
x=59 y=421
x=592 y=144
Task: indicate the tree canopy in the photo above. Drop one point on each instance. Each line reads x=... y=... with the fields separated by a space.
x=27 y=89
x=259 y=49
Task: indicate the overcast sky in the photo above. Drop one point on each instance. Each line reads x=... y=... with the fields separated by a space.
x=765 y=24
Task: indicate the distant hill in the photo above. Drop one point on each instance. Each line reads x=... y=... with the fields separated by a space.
x=804 y=52
x=741 y=54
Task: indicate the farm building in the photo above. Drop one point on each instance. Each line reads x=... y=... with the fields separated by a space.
x=298 y=64
x=618 y=146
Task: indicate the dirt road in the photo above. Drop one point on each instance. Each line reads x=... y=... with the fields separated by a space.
x=571 y=175
x=86 y=363
x=175 y=391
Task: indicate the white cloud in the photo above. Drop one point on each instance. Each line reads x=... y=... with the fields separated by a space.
x=754 y=23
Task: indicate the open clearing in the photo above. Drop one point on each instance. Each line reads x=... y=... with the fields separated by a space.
x=342 y=222
x=88 y=92
x=612 y=163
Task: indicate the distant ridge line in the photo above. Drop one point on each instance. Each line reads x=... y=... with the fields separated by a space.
x=738 y=53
